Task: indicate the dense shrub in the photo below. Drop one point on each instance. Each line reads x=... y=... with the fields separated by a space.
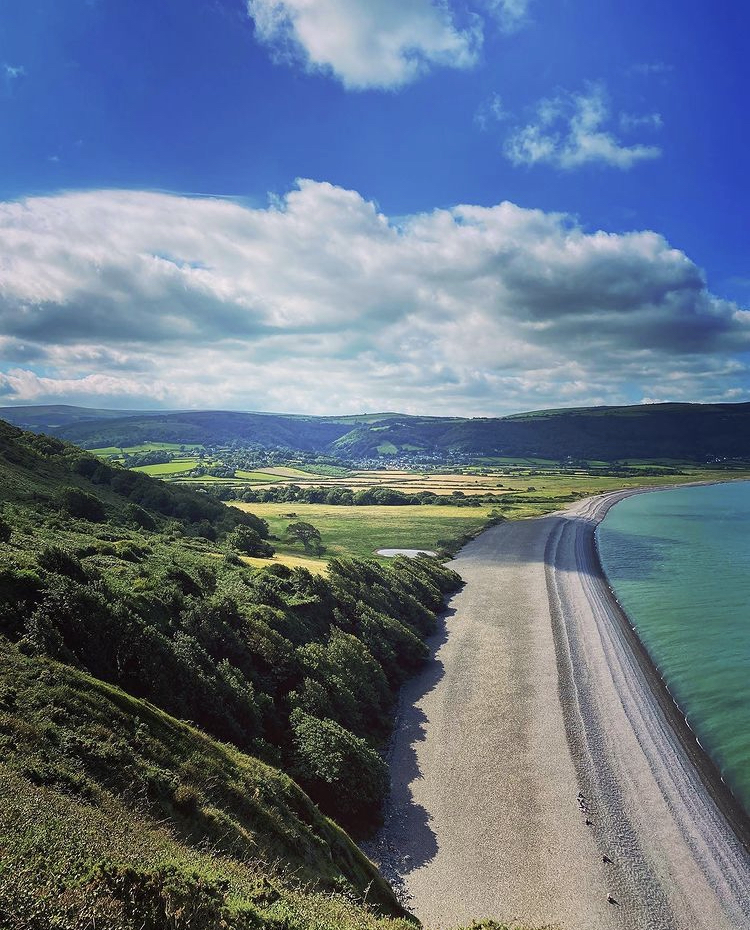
x=59 y=561
x=78 y=503
x=346 y=777
x=139 y=517
x=245 y=539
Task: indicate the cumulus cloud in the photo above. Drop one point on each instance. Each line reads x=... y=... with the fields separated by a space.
x=570 y=130
x=364 y=44
x=321 y=303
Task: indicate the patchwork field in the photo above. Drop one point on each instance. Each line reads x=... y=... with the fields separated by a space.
x=117 y=452
x=362 y=530
x=535 y=482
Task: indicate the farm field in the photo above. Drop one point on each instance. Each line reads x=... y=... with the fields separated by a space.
x=362 y=530
x=316 y=566
x=117 y=452
x=268 y=476
x=498 y=481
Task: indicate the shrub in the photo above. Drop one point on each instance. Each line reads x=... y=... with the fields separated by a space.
x=246 y=539
x=59 y=561
x=139 y=517
x=166 y=897
x=5 y=530
x=339 y=770
x=78 y=503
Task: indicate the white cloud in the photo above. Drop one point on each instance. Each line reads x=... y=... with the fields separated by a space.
x=366 y=44
x=320 y=303
x=569 y=131
x=10 y=75
x=631 y=121
x=510 y=14
x=490 y=112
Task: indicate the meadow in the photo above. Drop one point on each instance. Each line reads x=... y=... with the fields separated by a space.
x=360 y=531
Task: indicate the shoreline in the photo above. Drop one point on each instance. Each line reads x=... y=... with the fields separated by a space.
x=541 y=772
x=720 y=792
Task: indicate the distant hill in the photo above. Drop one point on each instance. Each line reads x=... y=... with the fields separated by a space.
x=53 y=416
x=690 y=432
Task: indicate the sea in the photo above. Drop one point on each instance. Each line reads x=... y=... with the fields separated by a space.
x=678 y=561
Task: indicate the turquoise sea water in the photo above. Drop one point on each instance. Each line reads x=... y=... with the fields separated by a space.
x=679 y=563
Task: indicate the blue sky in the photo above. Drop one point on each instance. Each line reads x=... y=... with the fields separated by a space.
x=160 y=252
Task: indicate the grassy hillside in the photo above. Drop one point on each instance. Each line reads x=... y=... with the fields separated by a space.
x=112 y=809
x=686 y=432
x=158 y=696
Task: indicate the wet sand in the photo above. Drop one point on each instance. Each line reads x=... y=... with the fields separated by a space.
x=539 y=744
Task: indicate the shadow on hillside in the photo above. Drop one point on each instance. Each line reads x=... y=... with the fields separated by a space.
x=406 y=840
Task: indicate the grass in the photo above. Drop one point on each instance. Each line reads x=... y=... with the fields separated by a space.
x=264 y=477
x=361 y=531
x=165 y=469
x=316 y=566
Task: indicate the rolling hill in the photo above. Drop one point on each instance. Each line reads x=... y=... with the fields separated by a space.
x=687 y=432
x=183 y=738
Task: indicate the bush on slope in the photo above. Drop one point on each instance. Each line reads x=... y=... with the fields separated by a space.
x=110 y=807
x=235 y=650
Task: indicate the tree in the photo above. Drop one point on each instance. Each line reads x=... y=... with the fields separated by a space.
x=247 y=540
x=307 y=534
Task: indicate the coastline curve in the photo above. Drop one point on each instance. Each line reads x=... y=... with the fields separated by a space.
x=685 y=809
x=540 y=771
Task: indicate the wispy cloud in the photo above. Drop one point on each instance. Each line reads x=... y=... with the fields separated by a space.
x=510 y=14
x=647 y=68
x=632 y=121
x=366 y=44
x=11 y=75
x=490 y=112
x=571 y=130
x=320 y=303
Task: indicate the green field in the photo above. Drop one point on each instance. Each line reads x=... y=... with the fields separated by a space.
x=165 y=469
x=360 y=531
x=262 y=477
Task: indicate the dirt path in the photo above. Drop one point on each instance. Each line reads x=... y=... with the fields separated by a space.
x=533 y=698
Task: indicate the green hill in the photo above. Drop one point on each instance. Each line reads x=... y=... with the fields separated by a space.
x=111 y=809
x=686 y=432
x=169 y=715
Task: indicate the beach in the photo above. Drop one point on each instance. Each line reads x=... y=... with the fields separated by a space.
x=541 y=773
